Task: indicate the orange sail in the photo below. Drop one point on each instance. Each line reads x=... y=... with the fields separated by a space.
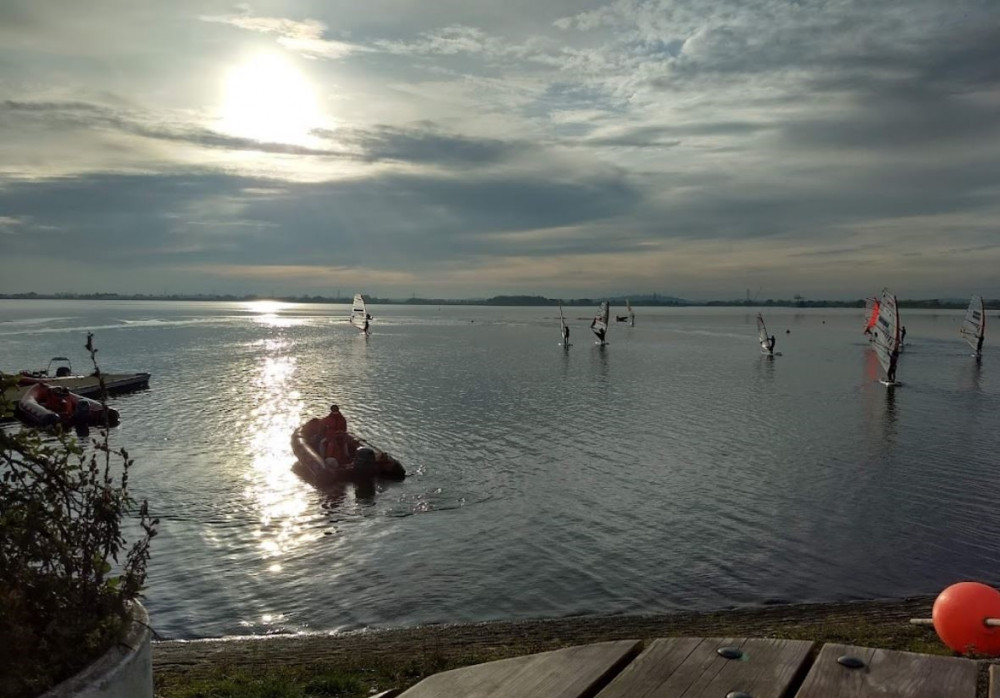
x=873 y=304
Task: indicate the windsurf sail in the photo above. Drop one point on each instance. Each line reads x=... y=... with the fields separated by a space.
x=359 y=314
x=631 y=314
x=563 y=329
x=974 y=325
x=871 y=315
x=600 y=322
x=887 y=334
x=762 y=336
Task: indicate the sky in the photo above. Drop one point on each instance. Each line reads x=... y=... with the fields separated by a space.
x=469 y=148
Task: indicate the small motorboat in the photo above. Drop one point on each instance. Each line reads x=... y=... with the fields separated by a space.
x=63 y=369
x=59 y=371
x=46 y=406
x=361 y=462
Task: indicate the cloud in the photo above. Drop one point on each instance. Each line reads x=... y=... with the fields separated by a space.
x=305 y=37
x=9 y=224
x=423 y=144
x=94 y=116
x=389 y=221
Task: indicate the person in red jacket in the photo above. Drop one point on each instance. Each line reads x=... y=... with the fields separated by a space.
x=335 y=421
x=334 y=430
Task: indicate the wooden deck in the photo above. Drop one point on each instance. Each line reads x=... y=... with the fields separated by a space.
x=692 y=667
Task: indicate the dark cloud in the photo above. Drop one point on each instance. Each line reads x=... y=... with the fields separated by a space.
x=211 y=218
x=423 y=144
x=909 y=96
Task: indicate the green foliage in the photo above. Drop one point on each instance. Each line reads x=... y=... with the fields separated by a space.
x=65 y=594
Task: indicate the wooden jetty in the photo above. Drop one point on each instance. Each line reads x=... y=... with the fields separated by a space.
x=695 y=667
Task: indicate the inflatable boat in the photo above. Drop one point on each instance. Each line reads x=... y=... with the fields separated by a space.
x=361 y=460
x=45 y=405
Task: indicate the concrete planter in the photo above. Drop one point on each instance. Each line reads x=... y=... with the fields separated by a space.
x=124 y=671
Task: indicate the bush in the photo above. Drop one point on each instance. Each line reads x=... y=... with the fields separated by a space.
x=64 y=596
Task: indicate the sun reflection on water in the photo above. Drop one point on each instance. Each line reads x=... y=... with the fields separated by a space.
x=272 y=486
x=269 y=314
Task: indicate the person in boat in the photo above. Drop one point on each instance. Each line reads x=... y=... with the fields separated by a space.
x=333 y=439
x=58 y=401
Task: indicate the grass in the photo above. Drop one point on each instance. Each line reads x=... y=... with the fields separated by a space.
x=357 y=681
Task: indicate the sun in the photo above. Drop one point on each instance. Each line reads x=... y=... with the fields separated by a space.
x=266 y=98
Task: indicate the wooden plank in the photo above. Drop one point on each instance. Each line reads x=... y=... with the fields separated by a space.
x=995 y=681
x=888 y=674
x=692 y=667
x=568 y=673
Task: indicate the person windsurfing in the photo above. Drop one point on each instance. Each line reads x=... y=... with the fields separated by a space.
x=893 y=359
x=600 y=332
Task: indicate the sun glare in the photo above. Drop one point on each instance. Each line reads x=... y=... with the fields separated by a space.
x=265 y=307
x=266 y=98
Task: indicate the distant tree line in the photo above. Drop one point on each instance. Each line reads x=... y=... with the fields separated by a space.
x=639 y=300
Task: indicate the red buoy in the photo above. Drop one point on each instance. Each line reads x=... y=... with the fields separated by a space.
x=960 y=614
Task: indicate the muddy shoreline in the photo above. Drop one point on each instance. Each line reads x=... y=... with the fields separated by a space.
x=425 y=650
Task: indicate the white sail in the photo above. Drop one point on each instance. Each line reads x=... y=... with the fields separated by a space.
x=600 y=323
x=886 y=334
x=563 y=329
x=358 y=312
x=974 y=325
x=762 y=336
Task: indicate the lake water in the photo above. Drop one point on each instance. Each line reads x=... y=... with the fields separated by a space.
x=676 y=468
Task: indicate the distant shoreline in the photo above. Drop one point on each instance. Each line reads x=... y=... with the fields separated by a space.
x=505 y=301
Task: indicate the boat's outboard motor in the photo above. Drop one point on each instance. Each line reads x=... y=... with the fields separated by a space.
x=364 y=462
x=82 y=414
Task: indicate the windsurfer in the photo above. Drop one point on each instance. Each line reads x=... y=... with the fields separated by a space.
x=565 y=334
x=891 y=373
x=770 y=343
x=902 y=334
x=599 y=332
x=979 y=345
